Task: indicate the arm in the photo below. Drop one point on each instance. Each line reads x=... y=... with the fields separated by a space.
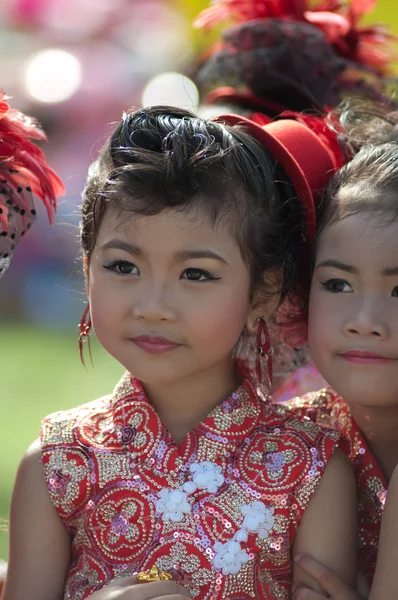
x=39 y=542
x=327 y=531
x=385 y=583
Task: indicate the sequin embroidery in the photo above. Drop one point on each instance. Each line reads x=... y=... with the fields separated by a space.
x=219 y=511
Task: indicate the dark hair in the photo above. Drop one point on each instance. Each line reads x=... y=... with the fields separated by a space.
x=161 y=157
x=371 y=177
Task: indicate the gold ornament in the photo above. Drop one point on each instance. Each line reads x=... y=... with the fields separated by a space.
x=153 y=574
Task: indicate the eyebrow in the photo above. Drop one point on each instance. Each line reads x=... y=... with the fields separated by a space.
x=388 y=272
x=337 y=265
x=182 y=255
x=189 y=254
x=120 y=245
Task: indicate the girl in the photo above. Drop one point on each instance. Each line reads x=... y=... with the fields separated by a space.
x=186 y=474
x=296 y=55
x=353 y=323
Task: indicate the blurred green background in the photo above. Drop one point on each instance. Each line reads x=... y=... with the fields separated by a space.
x=40 y=367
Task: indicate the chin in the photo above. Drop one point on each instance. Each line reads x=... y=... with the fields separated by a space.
x=151 y=375
x=371 y=395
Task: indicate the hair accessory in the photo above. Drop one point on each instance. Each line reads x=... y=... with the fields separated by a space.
x=264 y=352
x=305 y=147
x=153 y=574
x=23 y=172
x=84 y=333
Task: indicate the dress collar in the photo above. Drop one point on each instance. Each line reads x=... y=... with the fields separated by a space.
x=229 y=423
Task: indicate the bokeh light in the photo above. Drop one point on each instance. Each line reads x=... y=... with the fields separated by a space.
x=172 y=89
x=53 y=75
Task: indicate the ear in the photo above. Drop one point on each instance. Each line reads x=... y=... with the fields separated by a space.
x=266 y=298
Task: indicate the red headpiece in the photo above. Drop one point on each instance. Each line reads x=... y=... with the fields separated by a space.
x=23 y=172
x=305 y=147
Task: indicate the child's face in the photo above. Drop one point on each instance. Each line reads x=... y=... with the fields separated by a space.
x=169 y=294
x=353 y=313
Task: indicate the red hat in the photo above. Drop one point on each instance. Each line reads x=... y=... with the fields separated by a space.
x=23 y=172
x=305 y=147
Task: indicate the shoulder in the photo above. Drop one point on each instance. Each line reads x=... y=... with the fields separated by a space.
x=319 y=399
x=30 y=469
x=324 y=407
x=30 y=483
x=300 y=448
x=67 y=439
x=60 y=427
x=39 y=543
x=290 y=421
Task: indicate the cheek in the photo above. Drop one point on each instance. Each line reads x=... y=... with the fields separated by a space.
x=320 y=320
x=106 y=306
x=220 y=321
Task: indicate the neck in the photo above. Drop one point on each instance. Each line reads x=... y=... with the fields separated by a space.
x=181 y=405
x=379 y=426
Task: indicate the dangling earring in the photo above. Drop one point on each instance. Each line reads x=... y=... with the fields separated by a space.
x=84 y=333
x=264 y=352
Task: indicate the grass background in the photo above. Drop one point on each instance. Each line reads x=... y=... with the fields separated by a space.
x=40 y=373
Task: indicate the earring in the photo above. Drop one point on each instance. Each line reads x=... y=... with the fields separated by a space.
x=84 y=333
x=264 y=352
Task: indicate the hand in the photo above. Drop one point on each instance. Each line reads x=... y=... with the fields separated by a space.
x=127 y=588
x=335 y=588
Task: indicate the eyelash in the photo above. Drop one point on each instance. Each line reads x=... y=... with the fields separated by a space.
x=328 y=285
x=117 y=264
x=113 y=266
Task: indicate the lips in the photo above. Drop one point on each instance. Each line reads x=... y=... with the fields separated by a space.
x=154 y=344
x=365 y=358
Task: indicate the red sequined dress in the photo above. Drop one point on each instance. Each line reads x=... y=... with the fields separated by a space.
x=325 y=407
x=220 y=511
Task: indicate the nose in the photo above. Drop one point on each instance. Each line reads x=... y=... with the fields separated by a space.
x=152 y=303
x=367 y=320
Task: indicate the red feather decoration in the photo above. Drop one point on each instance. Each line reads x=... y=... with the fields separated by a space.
x=18 y=153
x=23 y=173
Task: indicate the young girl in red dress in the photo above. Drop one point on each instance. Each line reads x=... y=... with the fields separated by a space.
x=353 y=324
x=296 y=55
x=186 y=478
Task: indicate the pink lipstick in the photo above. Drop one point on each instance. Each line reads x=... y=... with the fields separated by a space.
x=360 y=357
x=154 y=344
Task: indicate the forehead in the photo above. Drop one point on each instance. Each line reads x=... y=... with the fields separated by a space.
x=361 y=239
x=169 y=231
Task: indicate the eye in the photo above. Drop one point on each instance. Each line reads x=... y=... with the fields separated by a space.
x=337 y=286
x=122 y=267
x=198 y=275
x=395 y=291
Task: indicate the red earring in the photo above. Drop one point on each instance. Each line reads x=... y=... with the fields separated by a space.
x=84 y=333
x=264 y=351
